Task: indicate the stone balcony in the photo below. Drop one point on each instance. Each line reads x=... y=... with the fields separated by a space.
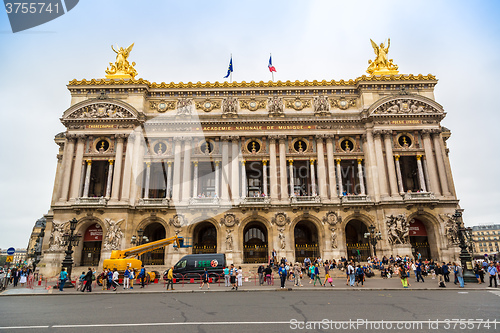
x=305 y=200
x=204 y=201
x=255 y=201
x=153 y=202
x=91 y=202
x=419 y=196
x=355 y=199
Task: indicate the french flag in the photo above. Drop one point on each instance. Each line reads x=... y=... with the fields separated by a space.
x=270 y=66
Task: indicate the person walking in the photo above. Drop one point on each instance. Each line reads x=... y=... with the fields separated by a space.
x=446 y=272
x=227 y=277
x=89 y=277
x=316 y=275
x=260 y=272
x=204 y=278
x=297 y=272
x=460 y=274
x=350 y=272
x=170 y=278
x=439 y=273
x=132 y=277
x=268 y=272
x=418 y=270
x=63 y=276
x=233 y=273
x=142 y=275
x=360 y=276
x=403 y=275
x=282 y=273
x=114 y=280
x=240 y=277
x=492 y=272
x=81 y=282
x=126 y=278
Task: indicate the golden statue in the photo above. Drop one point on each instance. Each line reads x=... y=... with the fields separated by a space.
x=121 y=69
x=381 y=65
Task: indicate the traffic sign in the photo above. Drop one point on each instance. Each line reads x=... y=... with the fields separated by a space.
x=9 y=259
x=11 y=251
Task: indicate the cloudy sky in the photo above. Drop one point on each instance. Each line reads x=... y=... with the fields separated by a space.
x=457 y=41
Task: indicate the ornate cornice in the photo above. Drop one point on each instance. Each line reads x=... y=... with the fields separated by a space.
x=244 y=84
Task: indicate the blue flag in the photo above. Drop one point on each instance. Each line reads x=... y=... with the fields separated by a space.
x=230 y=69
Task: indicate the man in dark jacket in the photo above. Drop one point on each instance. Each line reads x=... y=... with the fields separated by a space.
x=88 y=281
x=446 y=272
x=260 y=271
x=439 y=273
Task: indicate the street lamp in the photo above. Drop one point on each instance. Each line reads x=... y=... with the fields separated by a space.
x=373 y=238
x=464 y=236
x=70 y=240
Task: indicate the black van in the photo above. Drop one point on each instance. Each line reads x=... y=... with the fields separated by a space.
x=193 y=265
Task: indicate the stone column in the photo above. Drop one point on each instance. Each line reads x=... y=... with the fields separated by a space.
x=243 y=180
x=168 y=190
x=115 y=189
x=313 y=178
x=176 y=186
x=86 y=185
x=292 y=192
x=235 y=172
x=426 y=174
x=186 y=172
x=390 y=164
x=331 y=168
x=67 y=161
x=127 y=169
x=339 y=177
x=148 y=179
x=321 y=167
x=431 y=162
x=398 y=173
x=273 y=168
x=372 y=184
x=361 y=178
x=138 y=169
x=264 y=177
x=440 y=162
x=421 y=174
x=77 y=168
x=283 y=178
x=108 y=182
x=195 y=179
x=82 y=179
x=217 y=181
x=379 y=156
x=225 y=170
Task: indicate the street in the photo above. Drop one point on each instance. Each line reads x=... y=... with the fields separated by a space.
x=261 y=311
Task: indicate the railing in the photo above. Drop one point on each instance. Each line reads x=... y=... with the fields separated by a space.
x=305 y=199
x=303 y=251
x=419 y=196
x=153 y=202
x=204 y=201
x=255 y=254
x=101 y=201
x=355 y=198
x=256 y=200
x=199 y=249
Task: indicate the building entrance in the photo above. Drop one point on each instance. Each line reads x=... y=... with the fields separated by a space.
x=255 y=243
x=205 y=238
x=306 y=241
x=357 y=245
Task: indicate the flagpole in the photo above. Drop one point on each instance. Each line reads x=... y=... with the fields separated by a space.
x=272 y=73
x=231 y=73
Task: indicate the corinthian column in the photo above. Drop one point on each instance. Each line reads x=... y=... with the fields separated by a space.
x=398 y=173
x=168 y=190
x=273 y=168
x=313 y=178
x=87 y=179
x=77 y=168
x=390 y=164
x=440 y=162
x=379 y=156
x=264 y=177
x=127 y=169
x=225 y=170
x=321 y=168
x=217 y=181
x=431 y=162
x=361 y=178
x=243 y=180
x=195 y=179
x=370 y=166
x=421 y=174
x=292 y=192
x=67 y=161
x=339 y=177
x=186 y=172
x=110 y=175
x=235 y=172
x=331 y=168
x=148 y=179
x=176 y=186
x=115 y=189
x=283 y=187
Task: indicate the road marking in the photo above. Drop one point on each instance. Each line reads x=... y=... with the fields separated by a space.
x=21 y=327
x=495 y=292
x=177 y=324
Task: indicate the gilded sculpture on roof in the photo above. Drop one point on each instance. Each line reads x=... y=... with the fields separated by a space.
x=381 y=65
x=121 y=69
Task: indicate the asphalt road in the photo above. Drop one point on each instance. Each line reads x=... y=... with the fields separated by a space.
x=264 y=311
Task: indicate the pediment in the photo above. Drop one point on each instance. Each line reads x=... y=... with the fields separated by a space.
x=100 y=109
x=408 y=104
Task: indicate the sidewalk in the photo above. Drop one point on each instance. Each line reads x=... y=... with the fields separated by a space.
x=374 y=283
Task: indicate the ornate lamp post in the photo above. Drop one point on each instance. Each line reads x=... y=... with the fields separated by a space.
x=37 y=250
x=373 y=238
x=70 y=240
x=465 y=257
